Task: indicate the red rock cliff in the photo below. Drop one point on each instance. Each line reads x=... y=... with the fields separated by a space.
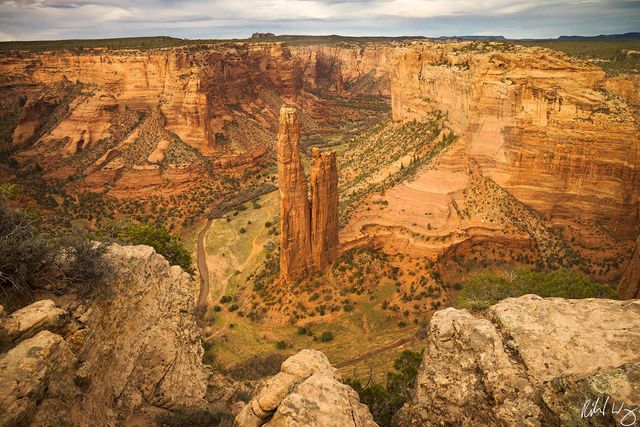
x=295 y=238
x=308 y=230
x=541 y=124
x=324 y=208
x=629 y=287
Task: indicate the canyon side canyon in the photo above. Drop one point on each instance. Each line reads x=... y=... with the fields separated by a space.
x=541 y=155
x=351 y=206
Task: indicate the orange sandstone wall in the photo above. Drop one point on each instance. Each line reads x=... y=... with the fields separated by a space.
x=541 y=124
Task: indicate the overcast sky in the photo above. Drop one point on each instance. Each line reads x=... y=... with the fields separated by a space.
x=62 y=19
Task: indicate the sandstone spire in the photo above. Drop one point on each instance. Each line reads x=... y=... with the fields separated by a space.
x=629 y=287
x=324 y=208
x=308 y=230
x=295 y=236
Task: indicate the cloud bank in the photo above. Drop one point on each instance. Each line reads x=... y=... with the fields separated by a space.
x=62 y=19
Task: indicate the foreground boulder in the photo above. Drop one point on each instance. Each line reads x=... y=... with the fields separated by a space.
x=306 y=392
x=530 y=361
x=36 y=382
x=28 y=321
x=143 y=351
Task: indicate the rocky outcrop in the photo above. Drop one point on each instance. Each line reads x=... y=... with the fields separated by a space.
x=306 y=392
x=131 y=353
x=295 y=215
x=324 y=208
x=28 y=321
x=308 y=230
x=142 y=348
x=531 y=361
x=629 y=286
x=36 y=382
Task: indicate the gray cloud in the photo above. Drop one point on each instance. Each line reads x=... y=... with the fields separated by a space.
x=55 y=19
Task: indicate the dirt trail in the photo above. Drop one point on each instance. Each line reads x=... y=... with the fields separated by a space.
x=202 y=266
x=377 y=351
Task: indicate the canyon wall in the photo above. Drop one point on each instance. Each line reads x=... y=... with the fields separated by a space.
x=629 y=286
x=308 y=229
x=549 y=129
x=531 y=110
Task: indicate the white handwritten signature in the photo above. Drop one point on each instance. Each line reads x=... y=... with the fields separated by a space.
x=603 y=405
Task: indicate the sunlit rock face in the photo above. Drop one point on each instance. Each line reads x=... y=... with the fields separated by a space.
x=529 y=361
x=629 y=286
x=309 y=228
x=324 y=208
x=295 y=215
x=306 y=392
x=541 y=124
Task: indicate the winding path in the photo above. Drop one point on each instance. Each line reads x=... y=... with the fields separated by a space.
x=368 y=355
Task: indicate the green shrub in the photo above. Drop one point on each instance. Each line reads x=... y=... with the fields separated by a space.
x=258 y=367
x=27 y=255
x=384 y=400
x=187 y=417
x=326 y=336
x=158 y=237
x=225 y=299
x=87 y=266
x=485 y=289
x=281 y=345
x=30 y=258
x=233 y=307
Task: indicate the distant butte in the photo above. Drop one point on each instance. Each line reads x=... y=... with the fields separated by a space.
x=308 y=229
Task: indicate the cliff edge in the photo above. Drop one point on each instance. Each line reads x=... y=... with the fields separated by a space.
x=530 y=361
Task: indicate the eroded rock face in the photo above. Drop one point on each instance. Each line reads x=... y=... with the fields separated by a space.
x=532 y=110
x=26 y=322
x=306 y=392
x=324 y=208
x=143 y=349
x=36 y=382
x=121 y=358
x=308 y=230
x=629 y=286
x=531 y=361
x=295 y=216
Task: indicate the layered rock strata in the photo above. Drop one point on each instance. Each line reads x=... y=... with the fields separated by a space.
x=530 y=361
x=306 y=392
x=629 y=286
x=324 y=208
x=524 y=111
x=295 y=214
x=308 y=229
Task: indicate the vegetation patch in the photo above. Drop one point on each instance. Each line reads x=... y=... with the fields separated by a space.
x=154 y=235
x=485 y=289
x=385 y=399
